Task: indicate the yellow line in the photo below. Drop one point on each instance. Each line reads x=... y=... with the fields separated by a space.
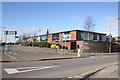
x=93 y=71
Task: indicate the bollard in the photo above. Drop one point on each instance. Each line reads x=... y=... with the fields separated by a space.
x=78 y=53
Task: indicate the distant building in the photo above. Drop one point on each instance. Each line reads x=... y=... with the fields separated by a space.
x=116 y=40
x=96 y=42
x=116 y=44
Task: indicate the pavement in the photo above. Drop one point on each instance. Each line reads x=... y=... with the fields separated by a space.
x=106 y=72
x=109 y=72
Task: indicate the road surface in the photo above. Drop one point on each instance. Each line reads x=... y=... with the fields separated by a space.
x=49 y=68
x=20 y=53
x=55 y=68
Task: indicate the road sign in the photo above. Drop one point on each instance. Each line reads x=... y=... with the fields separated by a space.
x=10 y=32
x=16 y=36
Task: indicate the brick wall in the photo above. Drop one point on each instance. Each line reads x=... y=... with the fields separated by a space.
x=92 y=46
x=73 y=35
x=60 y=36
x=30 y=39
x=50 y=38
x=39 y=39
x=78 y=35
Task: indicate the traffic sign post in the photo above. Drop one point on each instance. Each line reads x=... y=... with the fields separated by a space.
x=11 y=33
x=16 y=36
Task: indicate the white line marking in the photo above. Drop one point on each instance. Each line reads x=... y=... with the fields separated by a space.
x=10 y=52
x=26 y=67
x=11 y=71
x=22 y=56
x=11 y=56
x=69 y=77
x=14 y=70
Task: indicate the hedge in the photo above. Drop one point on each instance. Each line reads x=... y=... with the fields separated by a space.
x=116 y=46
x=37 y=44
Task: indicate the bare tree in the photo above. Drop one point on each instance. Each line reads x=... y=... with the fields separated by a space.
x=19 y=39
x=89 y=24
x=23 y=37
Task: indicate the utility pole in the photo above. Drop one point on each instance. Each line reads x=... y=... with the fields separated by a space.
x=2 y=33
x=39 y=29
x=110 y=36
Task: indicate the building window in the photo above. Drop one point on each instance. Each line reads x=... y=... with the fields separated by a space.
x=55 y=37
x=95 y=37
x=103 y=37
x=44 y=38
x=35 y=37
x=84 y=36
x=90 y=36
x=98 y=37
x=66 y=36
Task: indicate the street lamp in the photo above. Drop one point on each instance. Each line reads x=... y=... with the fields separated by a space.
x=39 y=29
x=2 y=32
x=110 y=41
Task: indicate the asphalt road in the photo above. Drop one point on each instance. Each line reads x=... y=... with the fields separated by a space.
x=55 y=68
x=19 y=53
x=48 y=69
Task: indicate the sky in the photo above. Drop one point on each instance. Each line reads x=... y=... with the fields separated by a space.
x=28 y=17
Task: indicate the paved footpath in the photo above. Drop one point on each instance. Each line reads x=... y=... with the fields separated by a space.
x=109 y=72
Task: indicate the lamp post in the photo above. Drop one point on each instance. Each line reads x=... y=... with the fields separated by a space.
x=39 y=29
x=2 y=33
x=110 y=36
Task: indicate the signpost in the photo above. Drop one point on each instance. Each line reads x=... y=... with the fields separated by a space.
x=11 y=33
x=2 y=28
x=16 y=36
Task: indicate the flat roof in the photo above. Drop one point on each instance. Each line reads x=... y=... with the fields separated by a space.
x=77 y=30
x=70 y=31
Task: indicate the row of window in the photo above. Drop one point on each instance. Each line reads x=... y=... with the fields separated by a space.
x=65 y=36
x=84 y=36
x=91 y=36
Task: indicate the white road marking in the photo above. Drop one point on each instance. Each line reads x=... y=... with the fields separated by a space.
x=11 y=71
x=11 y=56
x=70 y=77
x=10 y=52
x=14 y=70
x=22 y=56
x=26 y=67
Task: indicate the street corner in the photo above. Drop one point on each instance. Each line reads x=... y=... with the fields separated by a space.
x=110 y=72
x=106 y=71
